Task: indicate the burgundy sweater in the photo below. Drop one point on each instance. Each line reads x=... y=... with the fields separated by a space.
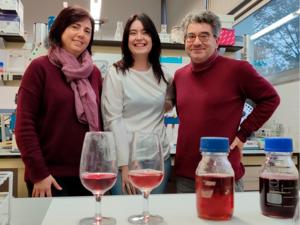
x=210 y=103
x=48 y=133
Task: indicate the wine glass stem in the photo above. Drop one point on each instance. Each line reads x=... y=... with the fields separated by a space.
x=146 y=213
x=98 y=215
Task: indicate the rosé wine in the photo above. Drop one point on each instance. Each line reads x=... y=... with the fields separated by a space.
x=145 y=179
x=98 y=183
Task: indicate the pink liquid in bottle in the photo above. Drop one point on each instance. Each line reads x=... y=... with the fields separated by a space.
x=214 y=196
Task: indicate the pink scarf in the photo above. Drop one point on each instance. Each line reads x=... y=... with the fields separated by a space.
x=198 y=67
x=77 y=72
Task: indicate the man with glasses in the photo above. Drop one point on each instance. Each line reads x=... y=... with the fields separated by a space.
x=210 y=95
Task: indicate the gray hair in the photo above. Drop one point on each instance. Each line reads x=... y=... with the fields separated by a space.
x=202 y=17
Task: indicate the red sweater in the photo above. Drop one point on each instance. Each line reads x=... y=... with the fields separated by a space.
x=48 y=133
x=210 y=103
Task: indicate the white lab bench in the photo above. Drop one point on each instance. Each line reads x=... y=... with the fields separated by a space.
x=176 y=209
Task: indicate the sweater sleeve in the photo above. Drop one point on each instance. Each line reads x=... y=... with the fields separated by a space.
x=112 y=102
x=28 y=110
x=262 y=93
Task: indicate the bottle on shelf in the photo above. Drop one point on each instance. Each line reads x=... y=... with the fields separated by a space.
x=163 y=35
x=119 y=31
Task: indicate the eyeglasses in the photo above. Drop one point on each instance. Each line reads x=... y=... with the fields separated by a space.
x=203 y=37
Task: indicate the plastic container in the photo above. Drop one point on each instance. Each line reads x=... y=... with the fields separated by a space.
x=163 y=35
x=214 y=180
x=278 y=181
x=119 y=31
x=1 y=67
x=177 y=35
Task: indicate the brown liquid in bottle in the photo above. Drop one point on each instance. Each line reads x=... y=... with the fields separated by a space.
x=278 y=195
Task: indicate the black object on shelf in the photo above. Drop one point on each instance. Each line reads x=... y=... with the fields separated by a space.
x=12 y=77
x=12 y=37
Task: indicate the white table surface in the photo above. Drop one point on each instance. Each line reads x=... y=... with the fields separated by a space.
x=176 y=209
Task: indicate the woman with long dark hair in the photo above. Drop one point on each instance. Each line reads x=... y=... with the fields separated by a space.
x=135 y=96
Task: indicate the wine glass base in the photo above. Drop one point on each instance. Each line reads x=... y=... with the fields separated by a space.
x=93 y=221
x=149 y=220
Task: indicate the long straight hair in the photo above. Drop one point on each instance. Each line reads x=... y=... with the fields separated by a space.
x=127 y=60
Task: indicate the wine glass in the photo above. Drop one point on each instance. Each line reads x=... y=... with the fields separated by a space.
x=98 y=171
x=146 y=171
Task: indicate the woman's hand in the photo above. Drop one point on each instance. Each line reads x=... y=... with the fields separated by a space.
x=239 y=144
x=43 y=187
x=168 y=105
x=127 y=187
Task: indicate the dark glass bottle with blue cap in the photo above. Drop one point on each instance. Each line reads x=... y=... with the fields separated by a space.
x=278 y=181
x=214 y=180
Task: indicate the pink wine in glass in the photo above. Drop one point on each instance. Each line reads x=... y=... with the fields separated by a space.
x=146 y=179
x=98 y=183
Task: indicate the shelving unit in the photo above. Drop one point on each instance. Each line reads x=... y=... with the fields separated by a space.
x=7 y=77
x=176 y=46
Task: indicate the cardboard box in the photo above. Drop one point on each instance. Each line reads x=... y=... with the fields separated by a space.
x=226 y=21
x=12 y=5
x=11 y=24
x=227 y=37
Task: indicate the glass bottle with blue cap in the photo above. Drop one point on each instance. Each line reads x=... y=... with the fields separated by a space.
x=278 y=181
x=214 y=180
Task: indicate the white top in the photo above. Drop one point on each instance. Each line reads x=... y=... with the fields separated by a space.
x=176 y=209
x=134 y=102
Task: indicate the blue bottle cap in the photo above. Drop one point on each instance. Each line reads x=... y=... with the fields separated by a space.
x=50 y=21
x=214 y=144
x=278 y=144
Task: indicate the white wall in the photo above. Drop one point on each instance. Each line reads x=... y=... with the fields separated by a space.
x=114 y=10
x=288 y=111
x=177 y=9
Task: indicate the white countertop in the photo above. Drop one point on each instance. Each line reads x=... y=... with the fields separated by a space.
x=8 y=152
x=176 y=209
